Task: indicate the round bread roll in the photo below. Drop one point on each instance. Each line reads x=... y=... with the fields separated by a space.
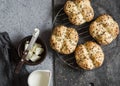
x=89 y=55
x=64 y=40
x=79 y=11
x=104 y=29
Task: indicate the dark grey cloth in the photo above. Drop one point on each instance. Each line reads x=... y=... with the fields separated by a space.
x=8 y=60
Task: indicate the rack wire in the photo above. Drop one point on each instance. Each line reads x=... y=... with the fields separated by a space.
x=83 y=30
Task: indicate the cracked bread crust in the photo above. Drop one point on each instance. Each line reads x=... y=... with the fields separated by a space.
x=89 y=55
x=64 y=40
x=79 y=11
x=104 y=29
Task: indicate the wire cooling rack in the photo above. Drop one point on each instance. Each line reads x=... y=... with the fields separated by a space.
x=83 y=30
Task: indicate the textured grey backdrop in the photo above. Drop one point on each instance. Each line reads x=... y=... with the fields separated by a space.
x=20 y=17
x=109 y=73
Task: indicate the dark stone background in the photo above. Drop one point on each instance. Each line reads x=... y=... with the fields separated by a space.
x=20 y=17
x=109 y=73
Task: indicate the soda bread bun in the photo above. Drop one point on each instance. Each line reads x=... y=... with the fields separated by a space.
x=89 y=55
x=79 y=11
x=64 y=39
x=104 y=29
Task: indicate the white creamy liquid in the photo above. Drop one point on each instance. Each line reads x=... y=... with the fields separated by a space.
x=39 y=78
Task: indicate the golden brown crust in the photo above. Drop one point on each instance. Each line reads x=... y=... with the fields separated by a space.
x=104 y=29
x=64 y=40
x=89 y=55
x=79 y=11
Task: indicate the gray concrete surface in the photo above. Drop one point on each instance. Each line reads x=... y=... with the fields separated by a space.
x=20 y=17
x=109 y=73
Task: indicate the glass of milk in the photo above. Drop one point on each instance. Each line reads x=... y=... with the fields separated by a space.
x=39 y=78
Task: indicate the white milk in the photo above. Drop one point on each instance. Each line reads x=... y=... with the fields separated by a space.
x=39 y=78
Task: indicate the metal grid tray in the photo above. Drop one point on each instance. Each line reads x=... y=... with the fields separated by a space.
x=83 y=30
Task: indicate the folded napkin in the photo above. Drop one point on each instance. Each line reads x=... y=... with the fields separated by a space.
x=8 y=60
